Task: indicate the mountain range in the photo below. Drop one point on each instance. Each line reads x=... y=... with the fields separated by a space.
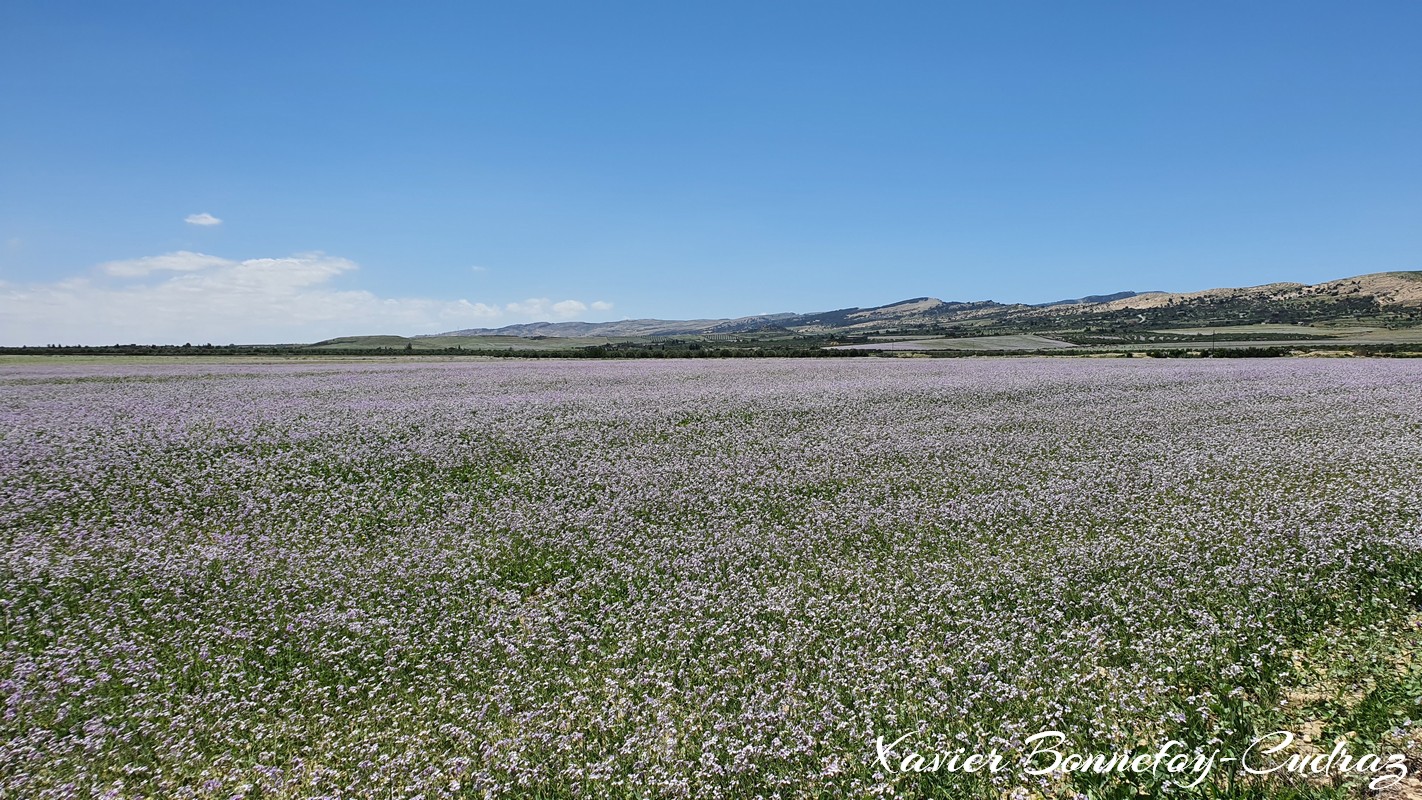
x=1276 y=302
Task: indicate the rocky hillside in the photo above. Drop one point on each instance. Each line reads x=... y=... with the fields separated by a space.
x=1277 y=302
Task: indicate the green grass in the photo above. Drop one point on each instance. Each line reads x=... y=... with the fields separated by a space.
x=469 y=342
x=1004 y=343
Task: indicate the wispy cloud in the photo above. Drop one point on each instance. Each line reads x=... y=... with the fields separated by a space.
x=196 y=297
x=181 y=261
x=204 y=219
x=541 y=308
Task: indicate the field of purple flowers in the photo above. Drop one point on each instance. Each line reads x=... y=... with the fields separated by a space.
x=676 y=578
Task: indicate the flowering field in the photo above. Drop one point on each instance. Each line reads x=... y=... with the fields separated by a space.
x=693 y=579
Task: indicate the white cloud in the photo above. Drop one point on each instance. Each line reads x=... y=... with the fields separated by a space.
x=529 y=308
x=181 y=261
x=478 y=269
x=601 y=305
x=195 y=297
x=542 y=308
x=204 y=219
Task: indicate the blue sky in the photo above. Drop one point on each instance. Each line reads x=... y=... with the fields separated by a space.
x=410 y=168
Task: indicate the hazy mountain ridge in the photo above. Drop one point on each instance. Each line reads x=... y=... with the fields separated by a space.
x=1093 y=299
x=1384 y=289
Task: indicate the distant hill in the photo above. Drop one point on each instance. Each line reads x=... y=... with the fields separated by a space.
x=1402 y=289
x=915 y=311
x=1272 y=303
x=630 y=327
x=1094 y=298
